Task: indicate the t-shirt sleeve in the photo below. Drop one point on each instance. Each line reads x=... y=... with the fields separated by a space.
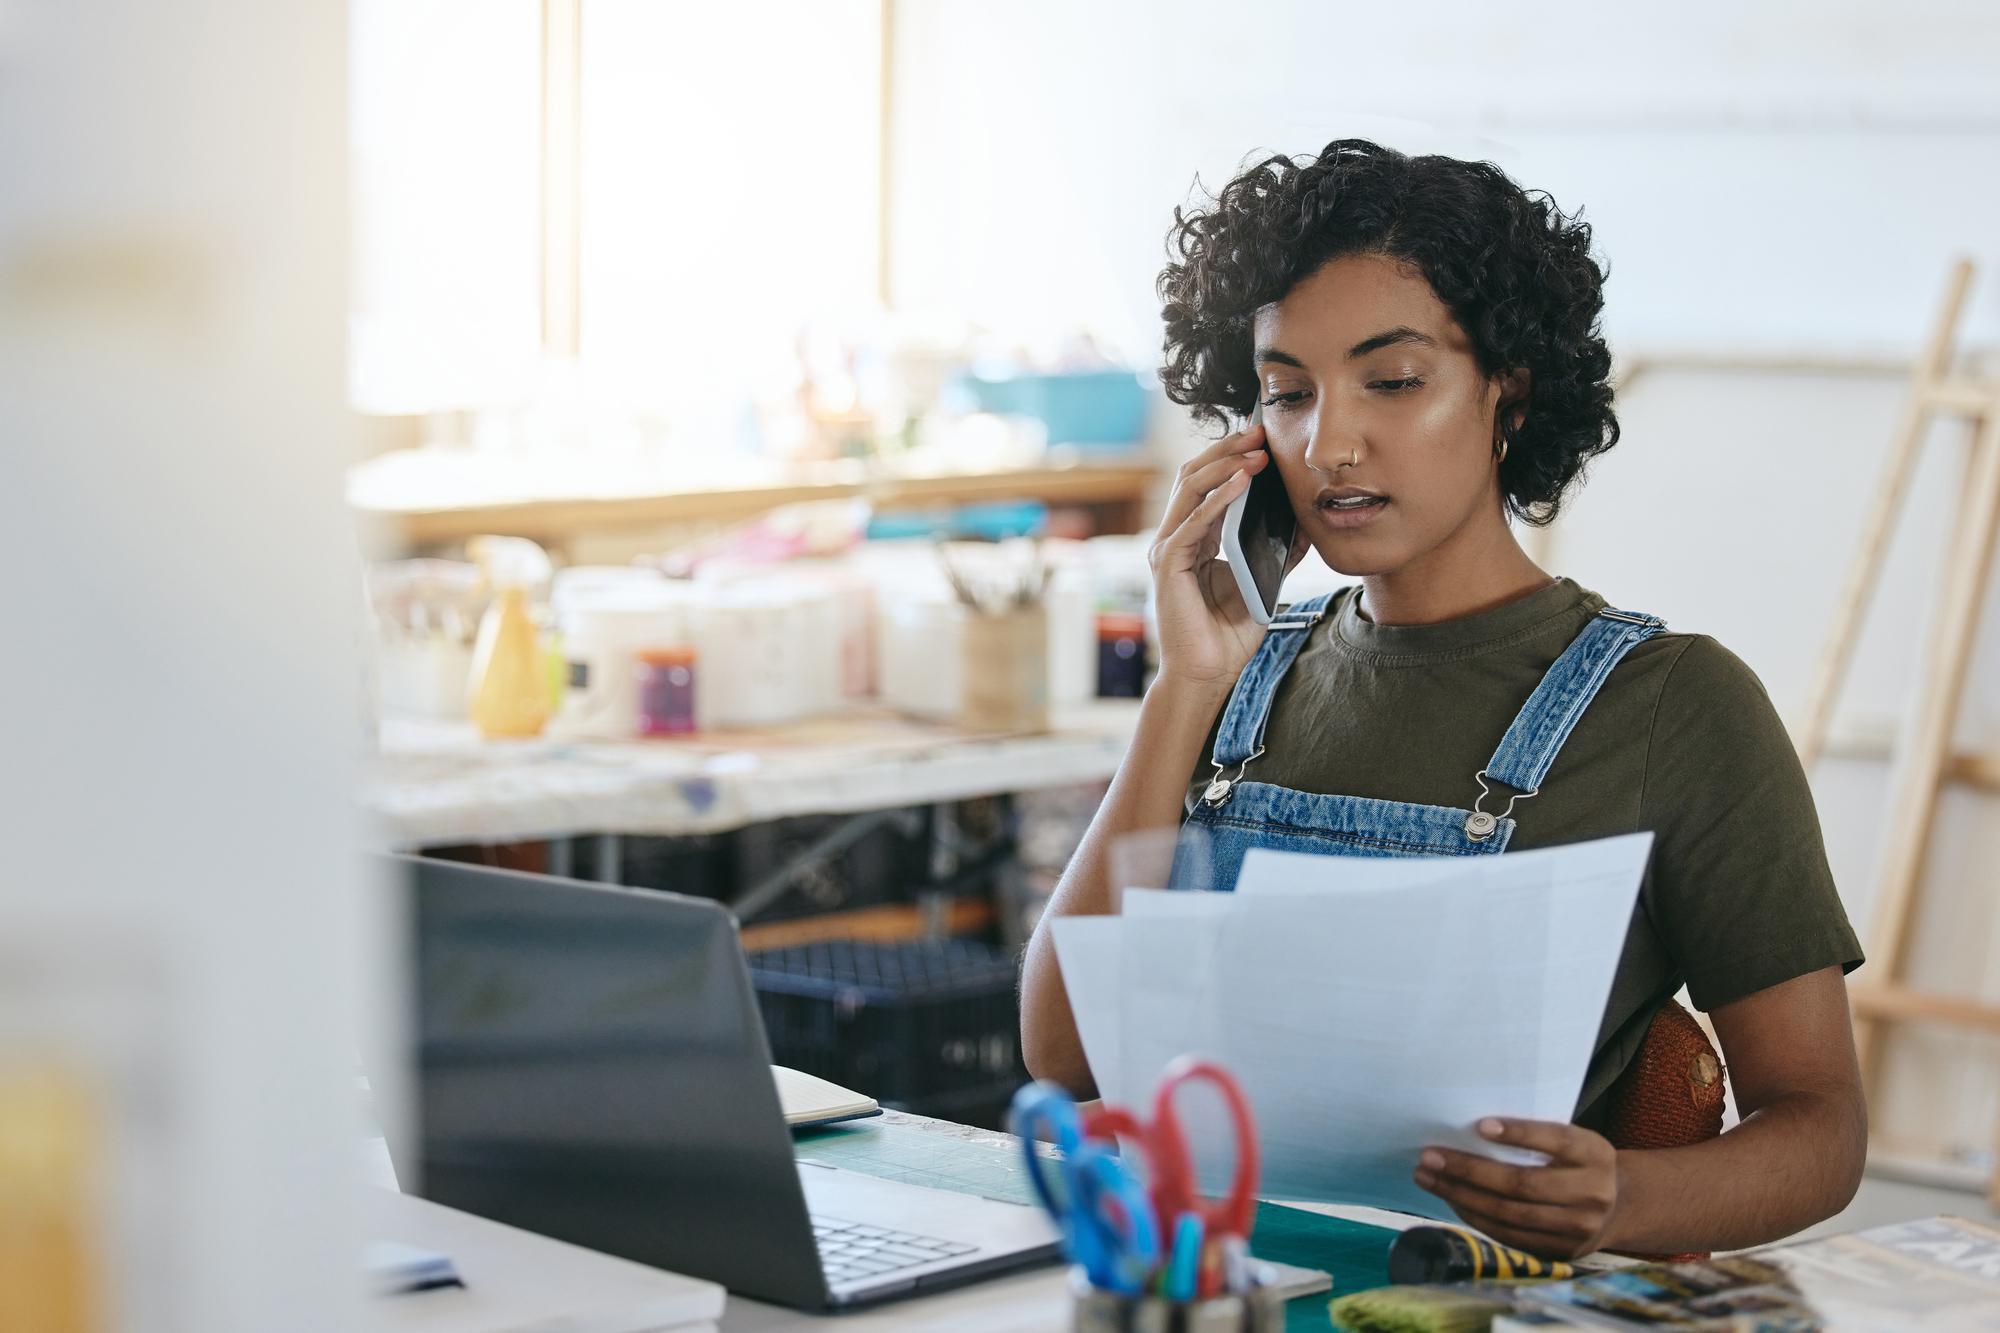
x=1740 y=889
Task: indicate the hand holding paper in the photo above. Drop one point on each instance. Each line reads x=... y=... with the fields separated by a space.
x=1563 y=1209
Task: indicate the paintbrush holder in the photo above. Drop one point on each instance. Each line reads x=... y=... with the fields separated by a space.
x=1006 y=670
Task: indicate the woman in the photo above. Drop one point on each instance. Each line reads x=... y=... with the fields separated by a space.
x=1422 y=335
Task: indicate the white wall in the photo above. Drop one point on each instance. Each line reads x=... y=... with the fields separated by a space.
x=1763 y=178
x=1788 y=173
x=179 y=914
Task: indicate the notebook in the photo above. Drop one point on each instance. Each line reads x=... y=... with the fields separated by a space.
x=811 y=1100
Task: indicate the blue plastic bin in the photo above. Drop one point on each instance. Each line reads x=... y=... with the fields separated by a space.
x=1099 y=410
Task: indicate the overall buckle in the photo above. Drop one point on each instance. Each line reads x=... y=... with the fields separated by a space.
x=1220 y=789
x=1479 y=826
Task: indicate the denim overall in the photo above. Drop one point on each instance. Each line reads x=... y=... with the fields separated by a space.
x=1238 y=814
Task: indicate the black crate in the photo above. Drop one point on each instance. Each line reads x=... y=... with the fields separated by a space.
x=879 y=867
x=921 y=1025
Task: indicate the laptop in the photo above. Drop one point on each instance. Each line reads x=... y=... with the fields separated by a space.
x=590 y=1065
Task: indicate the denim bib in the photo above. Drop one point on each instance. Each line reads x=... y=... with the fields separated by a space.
x=1238 y=814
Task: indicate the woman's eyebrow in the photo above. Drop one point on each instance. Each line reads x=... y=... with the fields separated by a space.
x=1402 y=333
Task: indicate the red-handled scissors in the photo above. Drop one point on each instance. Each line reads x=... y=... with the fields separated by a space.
x=1170 y=1175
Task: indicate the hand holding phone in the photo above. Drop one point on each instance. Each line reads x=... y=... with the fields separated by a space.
x=1257 y=534
x=1206 y=629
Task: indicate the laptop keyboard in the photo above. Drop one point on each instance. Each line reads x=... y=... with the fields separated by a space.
x=854 y=1251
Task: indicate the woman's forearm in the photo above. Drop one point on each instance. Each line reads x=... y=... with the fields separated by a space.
x=1146 y=794
x=1792 y=1163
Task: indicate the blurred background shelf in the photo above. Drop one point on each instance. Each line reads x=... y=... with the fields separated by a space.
x=1113 y=491
x=436 y=783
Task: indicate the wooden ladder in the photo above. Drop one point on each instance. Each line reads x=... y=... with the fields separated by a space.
x=1923 y=760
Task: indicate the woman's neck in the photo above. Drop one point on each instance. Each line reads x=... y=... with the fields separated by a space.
x=1475 y=571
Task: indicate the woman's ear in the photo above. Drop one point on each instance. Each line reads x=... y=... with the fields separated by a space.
x=1513 y=405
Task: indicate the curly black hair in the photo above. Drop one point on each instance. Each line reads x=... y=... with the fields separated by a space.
x=1513 y=270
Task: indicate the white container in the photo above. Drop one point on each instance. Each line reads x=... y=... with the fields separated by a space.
x=852 y=592
x=578 y=586
x=603 y=633
x=919 y=632
x=919 y=660
x=1072 y=608
x=422 y=676
x=766 y=652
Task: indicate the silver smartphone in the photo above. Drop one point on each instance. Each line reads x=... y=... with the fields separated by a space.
x=1257 y=534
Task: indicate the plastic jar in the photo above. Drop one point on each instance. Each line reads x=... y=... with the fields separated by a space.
x=1121 y=656
x=666 y=691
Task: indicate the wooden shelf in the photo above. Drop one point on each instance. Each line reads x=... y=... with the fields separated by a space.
x=1121 y=485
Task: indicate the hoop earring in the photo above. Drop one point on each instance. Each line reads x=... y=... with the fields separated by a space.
x=1502 y=437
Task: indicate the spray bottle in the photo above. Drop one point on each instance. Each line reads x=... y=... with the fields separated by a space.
x=510 y=679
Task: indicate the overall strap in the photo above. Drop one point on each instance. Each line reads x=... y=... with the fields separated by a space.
x=1531 y=744
x=1241 y=736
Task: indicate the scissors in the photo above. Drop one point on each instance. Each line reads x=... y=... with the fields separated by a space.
x=1175 y=1187
x=1106 y=1218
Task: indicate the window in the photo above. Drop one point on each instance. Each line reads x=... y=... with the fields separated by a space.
x=729 y=188
x=443 y=125
x=726 y=194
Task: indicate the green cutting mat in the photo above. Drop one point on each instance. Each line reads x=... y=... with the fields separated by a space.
x=945 y=1156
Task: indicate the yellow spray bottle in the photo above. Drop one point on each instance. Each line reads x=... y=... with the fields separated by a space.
x=510 y=679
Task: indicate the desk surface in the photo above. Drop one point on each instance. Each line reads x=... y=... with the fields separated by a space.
x=517 y=1280
x=433 y=784
x=1351 y=1243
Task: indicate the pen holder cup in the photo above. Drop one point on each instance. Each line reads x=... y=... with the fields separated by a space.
x=1006 y=671
x=1261 y=1309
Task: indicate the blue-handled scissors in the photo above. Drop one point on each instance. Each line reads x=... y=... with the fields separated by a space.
x=1105 y=1214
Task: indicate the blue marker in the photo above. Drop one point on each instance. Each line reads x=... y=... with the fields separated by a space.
x=1184 y=1264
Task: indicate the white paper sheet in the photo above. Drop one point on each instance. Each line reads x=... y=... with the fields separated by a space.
x=1369 y=1006
x=1089 y=950
x=1167 y=975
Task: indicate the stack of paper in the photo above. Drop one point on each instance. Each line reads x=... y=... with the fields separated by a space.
x=1369 y=1006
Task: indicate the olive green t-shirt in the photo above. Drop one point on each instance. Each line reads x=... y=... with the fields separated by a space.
x=1681 y=739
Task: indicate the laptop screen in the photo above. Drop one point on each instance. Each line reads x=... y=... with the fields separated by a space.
x=589 y=1065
